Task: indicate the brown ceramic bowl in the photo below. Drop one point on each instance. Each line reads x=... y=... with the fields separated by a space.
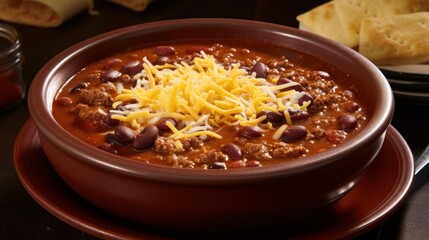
x=191 y=199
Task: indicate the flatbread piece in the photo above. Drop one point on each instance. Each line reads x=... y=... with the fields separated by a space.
x=42 y=13
x=136 y=5
x=394 y=40
x=323 y=21
x=350 y=13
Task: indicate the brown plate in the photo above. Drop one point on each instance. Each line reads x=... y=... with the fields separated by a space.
x=379 y=193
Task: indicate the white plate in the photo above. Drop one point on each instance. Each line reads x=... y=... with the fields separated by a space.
x=413 y=72
x=422 y=69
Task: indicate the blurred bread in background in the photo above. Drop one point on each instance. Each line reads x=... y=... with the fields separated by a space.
x=344 y=21
x=42 y=13
x=52 y=13
x=400 y=39
x=136 y=5
x=324 y=21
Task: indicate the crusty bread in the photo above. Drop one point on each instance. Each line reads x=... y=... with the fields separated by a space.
x=136 y=5
x=399 y=39
x=365 y=26
x=323 y=20
x=350 y=13
x=43 y=13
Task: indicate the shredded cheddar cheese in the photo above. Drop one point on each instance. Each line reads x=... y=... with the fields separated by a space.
x=203 y=95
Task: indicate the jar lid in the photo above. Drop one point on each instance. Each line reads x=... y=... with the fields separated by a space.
x=10 y=46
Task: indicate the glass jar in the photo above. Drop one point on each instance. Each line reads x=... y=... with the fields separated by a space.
x=12 y=85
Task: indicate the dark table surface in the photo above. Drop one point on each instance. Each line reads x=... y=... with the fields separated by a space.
x=22 y=218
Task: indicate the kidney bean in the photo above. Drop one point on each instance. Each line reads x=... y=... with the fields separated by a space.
x=162 y=126
x=296 y=87
x=351 y=107
x=165 y=50
x=276 y=118
x=347 y=122
x=112 y=139
x=64 y=101
x=294 y=133
x=262 y=113
x=297 y=115
x=110 y=76
x=109 y=121
x=79 y=86
x=233 y=151
x=132 y=68
x=161 y=60
x=217 y=165
x=125 y=134
x=249 y=132
x=260 y=69
x=304 y=98
x=146 y=138
x=253 y=163
x=237 y=164
x=112 y=63
x=108 y=148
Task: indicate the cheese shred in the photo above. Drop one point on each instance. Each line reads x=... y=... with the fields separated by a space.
x=203 y=95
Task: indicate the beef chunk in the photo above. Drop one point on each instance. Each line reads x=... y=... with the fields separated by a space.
x=284 y=150
x=212 y=156
x=85 y=112
x=257 y=151
x=101 y=95
x=179 y=161
x=191 y=143
x=164 y=145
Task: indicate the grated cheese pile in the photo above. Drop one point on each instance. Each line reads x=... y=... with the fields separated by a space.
x=204 y=96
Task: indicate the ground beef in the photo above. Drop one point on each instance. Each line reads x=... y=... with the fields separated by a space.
x=241 y=141
x=317 y=133
x=98 y=96
x=85 y=112
x=94 y=76
x=322 y=85
x=336 y=136
x=212 y=156
x=284 y=150
x=125 y=78
x=165 y=146
x=256 y=151
x=108 y=87
x=318 y=105
x=191 y=143
x=178 y=161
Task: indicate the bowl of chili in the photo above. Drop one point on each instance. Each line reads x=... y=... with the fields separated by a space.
x=204 y=124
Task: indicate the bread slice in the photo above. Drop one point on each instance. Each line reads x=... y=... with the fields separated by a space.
x=42 y=13
x=323 y=21
x=350 y=13
x=394 y=40
x=136 y=5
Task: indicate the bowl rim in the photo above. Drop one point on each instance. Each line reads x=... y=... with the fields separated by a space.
x=40 y=111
